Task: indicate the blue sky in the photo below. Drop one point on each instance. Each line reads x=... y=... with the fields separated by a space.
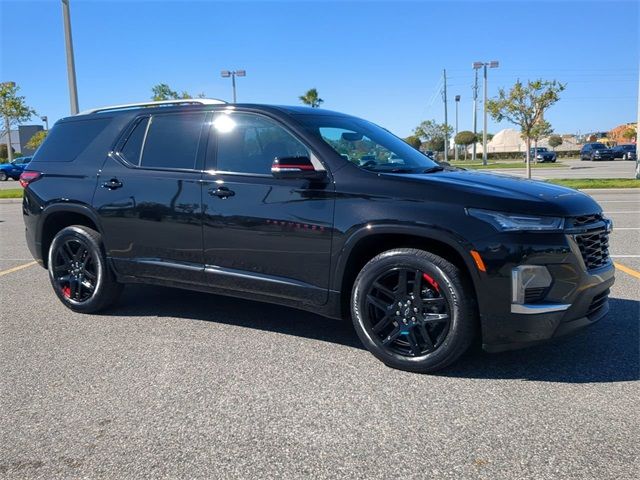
x=379 y=60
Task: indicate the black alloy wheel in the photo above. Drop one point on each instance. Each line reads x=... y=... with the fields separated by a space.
x=75 y=270
x=414 y=310
x=79 y=272
x=407 y=312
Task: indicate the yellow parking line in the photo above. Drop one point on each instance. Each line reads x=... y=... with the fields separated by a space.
x=625 y=269
x=15 y=269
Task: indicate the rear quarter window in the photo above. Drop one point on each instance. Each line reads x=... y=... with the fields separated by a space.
x=67 y=140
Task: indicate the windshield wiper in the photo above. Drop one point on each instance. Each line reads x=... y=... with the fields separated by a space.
x=436 y=168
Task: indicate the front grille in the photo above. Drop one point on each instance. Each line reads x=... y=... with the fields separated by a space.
x=583 y=220
x=598 y=302
x=593 y=239
x=594 y=248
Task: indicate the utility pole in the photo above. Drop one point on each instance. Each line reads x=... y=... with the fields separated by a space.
x=446 y=125
x=456 y=134
x=7 y=125
x=71 y=64
x=475 y=113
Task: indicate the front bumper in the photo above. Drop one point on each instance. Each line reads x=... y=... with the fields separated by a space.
x=576 y=298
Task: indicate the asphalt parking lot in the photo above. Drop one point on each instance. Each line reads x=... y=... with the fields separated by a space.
x=579 y=169
x=174 y=384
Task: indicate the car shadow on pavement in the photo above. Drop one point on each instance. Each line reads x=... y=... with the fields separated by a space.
x=608 y=351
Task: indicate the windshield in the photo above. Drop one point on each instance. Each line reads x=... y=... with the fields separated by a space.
x=367 y=145
x=540 y=149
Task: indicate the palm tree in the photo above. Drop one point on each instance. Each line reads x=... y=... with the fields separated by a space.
x=311 y=98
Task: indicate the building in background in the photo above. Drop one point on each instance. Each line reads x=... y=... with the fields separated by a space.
x=20 y=136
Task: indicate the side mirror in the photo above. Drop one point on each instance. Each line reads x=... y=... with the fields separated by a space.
x=296 y=167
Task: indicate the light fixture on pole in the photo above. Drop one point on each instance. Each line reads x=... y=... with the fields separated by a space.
x=7 y=124
x=233 y=74
x=71 y=64
x=476 y=66
x=45 y=119
x=457 y=97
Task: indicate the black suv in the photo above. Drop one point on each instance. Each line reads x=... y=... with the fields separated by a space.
x=625 y=151
x=596 y=151
x=317 y=210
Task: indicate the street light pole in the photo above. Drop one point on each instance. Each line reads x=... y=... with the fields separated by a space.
x=45 y=119
x=454 y=138
x=71 y=64
x=475 y=113
x=7 y=125
x=446 y=123
x=233 y=74
x=476 y=66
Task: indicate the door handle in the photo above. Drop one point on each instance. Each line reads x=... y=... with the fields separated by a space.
x=221 y=192
x=112 y=184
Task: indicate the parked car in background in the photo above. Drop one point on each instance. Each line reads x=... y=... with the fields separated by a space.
x=595 y=151
x=626 y=151
x=259 y=202
x=13 y=169
x=541 y=154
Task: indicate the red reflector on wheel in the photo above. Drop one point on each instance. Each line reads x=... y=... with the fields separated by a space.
x=27 y=177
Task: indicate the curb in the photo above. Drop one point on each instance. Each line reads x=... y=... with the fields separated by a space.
x=10 y=200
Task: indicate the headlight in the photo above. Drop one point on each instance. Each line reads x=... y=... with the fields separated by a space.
x=511 y=222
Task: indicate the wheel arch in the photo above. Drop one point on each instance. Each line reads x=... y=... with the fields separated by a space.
x=55 y=217
x=373 y=240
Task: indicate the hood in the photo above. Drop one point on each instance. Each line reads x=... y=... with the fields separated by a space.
x=501 y=192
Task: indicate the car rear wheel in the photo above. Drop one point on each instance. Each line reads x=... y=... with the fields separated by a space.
x=413 y=310
x=3 y=177
x=78 y=270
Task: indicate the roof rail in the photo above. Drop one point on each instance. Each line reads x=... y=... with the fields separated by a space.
x=185 y=101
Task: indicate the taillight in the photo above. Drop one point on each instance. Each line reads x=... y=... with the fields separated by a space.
x=27 y=177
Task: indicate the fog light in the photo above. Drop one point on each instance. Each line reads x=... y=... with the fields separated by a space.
x=528 y=277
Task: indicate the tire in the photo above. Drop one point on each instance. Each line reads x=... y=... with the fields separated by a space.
x=638 y=170
x=3 y=177
x=79 y=272
x=400 y=341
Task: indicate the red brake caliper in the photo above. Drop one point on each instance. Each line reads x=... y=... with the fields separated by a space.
x=431 y=282
x=66 y=291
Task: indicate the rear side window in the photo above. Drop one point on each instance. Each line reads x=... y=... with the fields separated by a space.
x=67 y=140
x=172 y=141
x=133 y=146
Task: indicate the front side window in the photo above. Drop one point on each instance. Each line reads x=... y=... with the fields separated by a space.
x=248 y=143
x=367 y=145
x=172 y=141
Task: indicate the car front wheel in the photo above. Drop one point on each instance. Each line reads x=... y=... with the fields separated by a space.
x=3 y=177
x=78 y=270
x=413 y=310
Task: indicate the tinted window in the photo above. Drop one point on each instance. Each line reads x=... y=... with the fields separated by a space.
x=248 y=143
x=599 y=145
x=172 y=141
x=67 y=140
x=132 y=147
x=366 y=144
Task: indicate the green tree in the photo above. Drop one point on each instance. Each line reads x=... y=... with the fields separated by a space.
x=555 y=141
x=14 y=110
x=524 y=105
x=465 y=138
x=540 y=130
x=36 y=139
x=162 y=91
x=432 y=134
x=629 y=134
x=414 y=141
x=311 y=98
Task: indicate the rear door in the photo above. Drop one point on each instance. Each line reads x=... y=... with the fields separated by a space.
x=261 y=234
x=149 y=198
